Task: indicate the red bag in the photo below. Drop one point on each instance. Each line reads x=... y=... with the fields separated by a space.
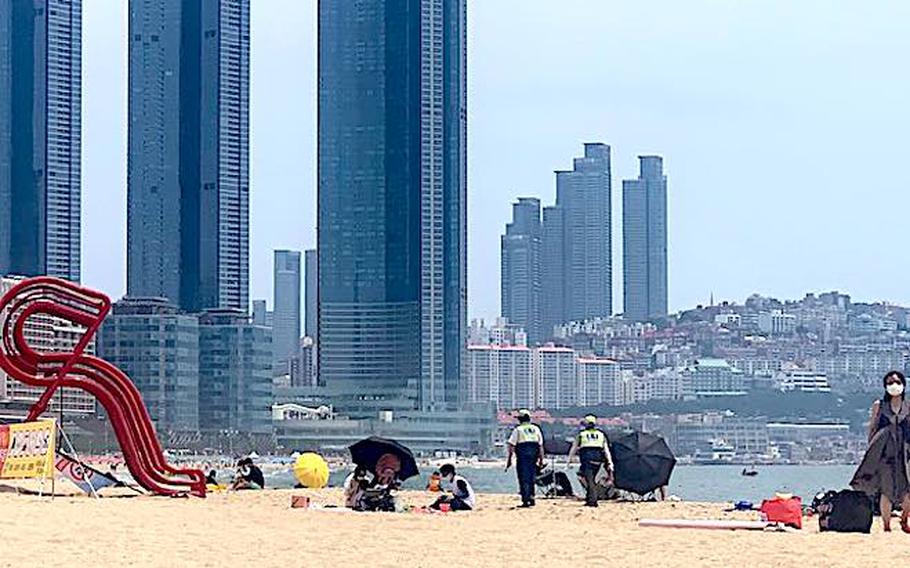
x=786 y=511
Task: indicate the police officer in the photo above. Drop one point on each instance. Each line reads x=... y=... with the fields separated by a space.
x=594 y=452
x=526 y=444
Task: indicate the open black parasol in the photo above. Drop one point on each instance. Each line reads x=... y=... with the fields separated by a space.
x=367 y=452
x=642 y=462
x=556 y=441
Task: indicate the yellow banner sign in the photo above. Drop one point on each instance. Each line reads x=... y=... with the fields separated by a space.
x=27 y=450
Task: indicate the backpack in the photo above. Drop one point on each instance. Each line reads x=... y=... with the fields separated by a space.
x=844 y=511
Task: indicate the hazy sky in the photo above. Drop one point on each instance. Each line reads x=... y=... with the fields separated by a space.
x=783 y=127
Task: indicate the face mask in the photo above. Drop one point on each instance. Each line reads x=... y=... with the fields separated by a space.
x=895 y=389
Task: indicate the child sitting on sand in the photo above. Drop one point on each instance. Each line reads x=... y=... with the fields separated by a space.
x=462 y=497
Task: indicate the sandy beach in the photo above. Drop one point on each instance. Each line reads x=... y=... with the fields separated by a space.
x=260 y=529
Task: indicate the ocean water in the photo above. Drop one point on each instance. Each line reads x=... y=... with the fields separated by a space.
x=716 y=483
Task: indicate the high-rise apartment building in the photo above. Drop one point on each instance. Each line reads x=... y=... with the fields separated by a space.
x=188 y=171
x=392 y=201
x=286 y=307
x=40 y=137
x=577 y=267
x=555 y=377
x=645 y=242
x=520 y=272
x=500 y=374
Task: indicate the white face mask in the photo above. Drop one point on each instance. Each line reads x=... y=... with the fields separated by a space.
x=895 y=389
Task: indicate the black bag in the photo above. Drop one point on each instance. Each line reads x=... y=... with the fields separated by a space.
x=844 y=511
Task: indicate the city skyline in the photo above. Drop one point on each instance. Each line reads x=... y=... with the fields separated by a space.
x=786 y=148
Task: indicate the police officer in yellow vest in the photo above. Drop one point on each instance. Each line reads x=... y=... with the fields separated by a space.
x=594 y=452
x=526 y=444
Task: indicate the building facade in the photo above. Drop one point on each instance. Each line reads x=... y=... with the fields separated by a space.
x=48 y=334
x=555 y=377
x=158 y=348
x=392 y=201
x=501 y=374
x=709 y=377
x=520 y=268
x=599 y=382
x=235 y=373
x=188 y=148
x=40 y=137
x=310 y=295
x=644 y=214
x=286 y=312
x=576 y=249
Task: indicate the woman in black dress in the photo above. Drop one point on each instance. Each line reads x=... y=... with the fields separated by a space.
x=884 y=468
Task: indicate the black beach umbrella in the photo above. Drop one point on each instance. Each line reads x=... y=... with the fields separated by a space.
x=642 y=462
x=367 y=452
x=556 y=440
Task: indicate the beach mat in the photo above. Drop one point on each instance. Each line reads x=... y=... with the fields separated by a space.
x=709 y=524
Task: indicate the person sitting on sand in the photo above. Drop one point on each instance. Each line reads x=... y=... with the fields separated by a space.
x=249 y=476
x=462 y=497
x=354 y=486
x=211 y=478
x=434 y=484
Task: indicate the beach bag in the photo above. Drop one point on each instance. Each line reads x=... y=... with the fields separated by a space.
x=788 y=511
x=844 y=511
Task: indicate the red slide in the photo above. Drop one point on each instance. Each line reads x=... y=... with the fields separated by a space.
x=113 y=389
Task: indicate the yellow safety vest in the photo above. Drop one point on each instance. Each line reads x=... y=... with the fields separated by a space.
x=592 y=438
x=528 y=433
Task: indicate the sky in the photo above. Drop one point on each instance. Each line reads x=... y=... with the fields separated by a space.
x=783 y=127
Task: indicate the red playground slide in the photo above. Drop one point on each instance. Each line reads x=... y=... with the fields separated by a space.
x=113 y=389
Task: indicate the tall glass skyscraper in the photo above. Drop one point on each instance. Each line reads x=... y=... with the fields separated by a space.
x=520 y=271
x=310 y=295
x=645 y=241
x=392 y=201
x=286 y=314
x=40 y=137
x=188 y=173
x=577 y=262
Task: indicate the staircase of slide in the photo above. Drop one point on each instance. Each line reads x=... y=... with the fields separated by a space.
x=74 y=369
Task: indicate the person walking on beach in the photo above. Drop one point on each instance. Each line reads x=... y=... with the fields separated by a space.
x=594 y=453
x=885 y=469
x=526 y=446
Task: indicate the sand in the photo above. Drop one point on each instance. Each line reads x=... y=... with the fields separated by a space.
x=260 y=529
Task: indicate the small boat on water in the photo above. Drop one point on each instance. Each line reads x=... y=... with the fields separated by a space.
x=750 y=472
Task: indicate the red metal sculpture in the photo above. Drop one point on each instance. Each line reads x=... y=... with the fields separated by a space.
x=113 y=389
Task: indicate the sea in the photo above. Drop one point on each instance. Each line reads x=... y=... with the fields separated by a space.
x=714 y=483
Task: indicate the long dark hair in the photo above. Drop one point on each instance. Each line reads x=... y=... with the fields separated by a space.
x=886 y=399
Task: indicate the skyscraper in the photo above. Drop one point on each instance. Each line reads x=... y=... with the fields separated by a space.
x=188 y=172
x=40 y=137
x=645 y=242
x=310 y=294
x=286 y=310
x=520 y=273
x=577 y=262
x=392 y=200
